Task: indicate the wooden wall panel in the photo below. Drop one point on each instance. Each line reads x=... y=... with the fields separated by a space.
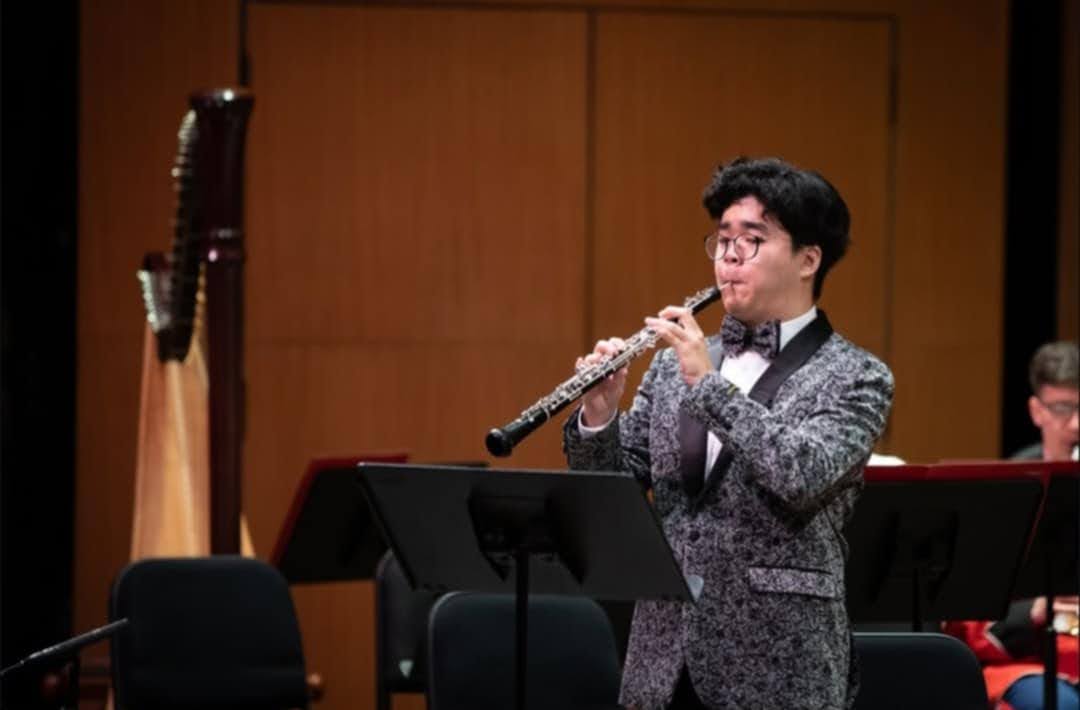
x=139 y=61
x=417 y=176
x=950 y=233
x=677 y=94
x=416 y=187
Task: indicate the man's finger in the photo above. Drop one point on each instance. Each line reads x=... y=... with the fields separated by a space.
x=690 y=325
x=673 y=312
x=667 y=330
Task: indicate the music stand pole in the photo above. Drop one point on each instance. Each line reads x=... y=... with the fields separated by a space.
x=521 y=604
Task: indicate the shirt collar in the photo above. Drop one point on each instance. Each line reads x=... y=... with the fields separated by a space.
x=790 y=328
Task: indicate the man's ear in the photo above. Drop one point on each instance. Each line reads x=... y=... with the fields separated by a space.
x=811 y=261
x=1034 y=411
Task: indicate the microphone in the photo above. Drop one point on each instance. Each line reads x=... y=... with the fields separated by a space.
x=69 y=646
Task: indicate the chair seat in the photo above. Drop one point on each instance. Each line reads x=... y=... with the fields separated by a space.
x=571 y=653
x=927 y=671
x=209 y=632
x=401 y=630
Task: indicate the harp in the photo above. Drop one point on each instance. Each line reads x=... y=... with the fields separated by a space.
x=191 y=421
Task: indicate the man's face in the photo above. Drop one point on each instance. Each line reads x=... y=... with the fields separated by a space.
x=1054 y=410
x=778 y=281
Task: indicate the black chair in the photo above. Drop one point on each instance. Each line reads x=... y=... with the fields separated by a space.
x=401 y=626
x=572 y=659
x=917 y=670
x=206 y=632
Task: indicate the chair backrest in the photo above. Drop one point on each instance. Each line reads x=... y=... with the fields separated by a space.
x=401 y=628
x=572 y=659
x=917 y=670
x=206 y=632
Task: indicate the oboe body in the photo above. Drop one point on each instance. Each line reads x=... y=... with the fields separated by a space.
x=501 y=441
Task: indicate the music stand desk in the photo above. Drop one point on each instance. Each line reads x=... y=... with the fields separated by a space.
x=329 y=534
x=523 y=532
x=938 y=544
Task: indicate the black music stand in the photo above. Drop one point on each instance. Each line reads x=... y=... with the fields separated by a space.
x=1051 y=568
x=924 y=548
x=523 y=532
x=329 y=534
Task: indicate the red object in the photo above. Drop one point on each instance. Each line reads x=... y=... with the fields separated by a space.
x=999 y=668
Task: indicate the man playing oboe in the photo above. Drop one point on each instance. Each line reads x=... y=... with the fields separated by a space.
x=753 y=443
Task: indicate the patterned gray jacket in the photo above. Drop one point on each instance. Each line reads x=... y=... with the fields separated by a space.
x=763 y=536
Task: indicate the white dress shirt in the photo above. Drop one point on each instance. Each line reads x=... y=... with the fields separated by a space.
x=743 y=371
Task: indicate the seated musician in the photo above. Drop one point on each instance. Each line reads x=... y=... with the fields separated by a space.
x=1010 y=649
x=1053 y=403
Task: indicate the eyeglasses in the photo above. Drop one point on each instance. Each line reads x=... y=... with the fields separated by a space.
x=745 y=245
x=1061 y=410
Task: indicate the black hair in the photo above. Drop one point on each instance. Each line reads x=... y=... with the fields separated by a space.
x=807 y=206
x=1054 y=364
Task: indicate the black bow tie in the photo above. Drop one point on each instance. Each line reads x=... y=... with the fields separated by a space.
x=763 y=339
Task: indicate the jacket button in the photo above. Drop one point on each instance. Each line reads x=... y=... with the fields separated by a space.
x=694 y=535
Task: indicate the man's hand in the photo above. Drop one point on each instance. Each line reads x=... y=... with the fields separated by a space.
x=601 y=402
x=1062 y=605
x=686 y=338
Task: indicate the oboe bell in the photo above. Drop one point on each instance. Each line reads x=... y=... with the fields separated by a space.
x=502 y=440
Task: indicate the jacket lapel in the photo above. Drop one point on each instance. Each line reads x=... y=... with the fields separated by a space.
x=693 y=440
x=800 y=349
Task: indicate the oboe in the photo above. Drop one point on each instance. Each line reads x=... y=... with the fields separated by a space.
x=501 y=441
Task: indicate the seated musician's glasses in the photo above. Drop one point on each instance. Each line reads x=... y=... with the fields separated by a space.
x=1061 y=410
x=745 y=245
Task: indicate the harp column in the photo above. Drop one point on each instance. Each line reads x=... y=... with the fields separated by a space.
x=222 y=119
